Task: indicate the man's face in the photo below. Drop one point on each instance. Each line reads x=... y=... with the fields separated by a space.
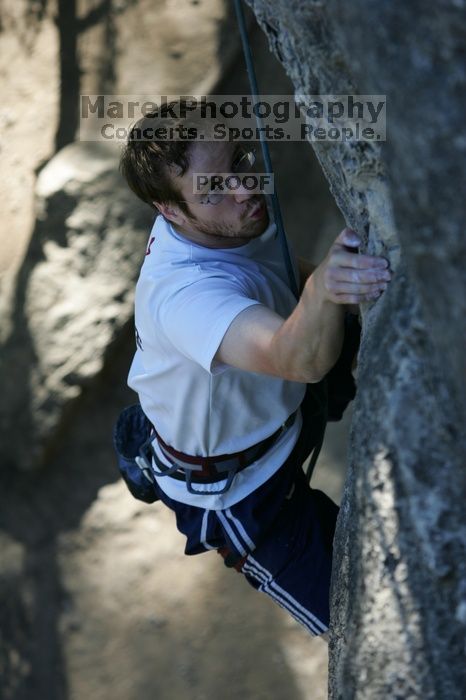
x=238 y=218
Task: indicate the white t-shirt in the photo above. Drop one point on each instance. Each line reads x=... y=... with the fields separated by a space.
x=187 y=296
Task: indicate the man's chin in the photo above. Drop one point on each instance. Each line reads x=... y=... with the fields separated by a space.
x=250 y=229
x=262 y=223
x=253 y=228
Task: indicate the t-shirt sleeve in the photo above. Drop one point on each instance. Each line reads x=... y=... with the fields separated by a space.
x=196 y=316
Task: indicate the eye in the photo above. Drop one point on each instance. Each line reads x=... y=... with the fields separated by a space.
x=215 y=197
x=207 y=196
x=244 y=160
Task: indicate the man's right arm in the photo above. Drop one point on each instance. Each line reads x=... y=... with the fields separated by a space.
x=306 y=345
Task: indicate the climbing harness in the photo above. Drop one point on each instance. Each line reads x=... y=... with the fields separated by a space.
x=202 y=470
x=134 y=439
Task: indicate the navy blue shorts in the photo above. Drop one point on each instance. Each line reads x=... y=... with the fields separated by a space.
x=280 y=536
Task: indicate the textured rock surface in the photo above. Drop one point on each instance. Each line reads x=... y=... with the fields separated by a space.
x=69 y=259
x=73 y=294
x=399 y=605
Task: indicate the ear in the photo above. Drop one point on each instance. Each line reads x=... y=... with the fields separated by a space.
x=169 y=211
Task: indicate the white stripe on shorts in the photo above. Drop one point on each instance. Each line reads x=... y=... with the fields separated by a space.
x=268 y=585
x=205 y=520
x=230 y=531
x=265 y=588
x=241 y=531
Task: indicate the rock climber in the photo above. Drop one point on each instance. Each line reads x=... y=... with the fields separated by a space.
x=229 y=364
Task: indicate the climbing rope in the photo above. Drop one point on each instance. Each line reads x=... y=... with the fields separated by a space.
x=318 y=391
x=264 y=145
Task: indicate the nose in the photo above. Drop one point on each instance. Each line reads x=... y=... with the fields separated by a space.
x=242 y=195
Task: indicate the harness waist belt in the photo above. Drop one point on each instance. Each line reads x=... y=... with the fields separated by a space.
x=194 y=469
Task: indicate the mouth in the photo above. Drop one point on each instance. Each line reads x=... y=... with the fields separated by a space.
x=257 y=212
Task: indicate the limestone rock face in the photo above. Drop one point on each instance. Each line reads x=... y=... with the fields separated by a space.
x=399 y=598
x=74 y=293
x=70 y=255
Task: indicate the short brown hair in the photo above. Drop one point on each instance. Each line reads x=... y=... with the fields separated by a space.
x=145 y=162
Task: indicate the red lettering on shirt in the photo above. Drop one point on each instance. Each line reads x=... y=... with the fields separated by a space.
x=150 y=243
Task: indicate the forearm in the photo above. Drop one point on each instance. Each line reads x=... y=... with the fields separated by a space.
x=309 y=342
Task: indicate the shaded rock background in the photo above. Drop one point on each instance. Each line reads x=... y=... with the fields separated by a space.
x=97 y=599
x=78 y=213
x=399 y=595
x=72 y=296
